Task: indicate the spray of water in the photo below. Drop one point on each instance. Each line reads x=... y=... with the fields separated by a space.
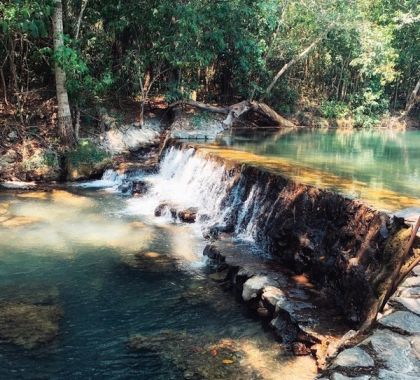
x=186 y=179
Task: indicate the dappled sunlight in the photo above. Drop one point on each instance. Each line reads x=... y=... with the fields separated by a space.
x=270 y=365
x=62 y=223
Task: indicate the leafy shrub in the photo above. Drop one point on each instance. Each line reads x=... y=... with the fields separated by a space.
x=333 y=110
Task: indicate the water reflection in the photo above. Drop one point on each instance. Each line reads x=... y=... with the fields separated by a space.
x=382 y=167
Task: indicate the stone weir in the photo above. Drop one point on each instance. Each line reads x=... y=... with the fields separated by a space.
x=347 y=249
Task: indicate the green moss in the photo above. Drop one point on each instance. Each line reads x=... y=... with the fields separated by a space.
x=87 y=153
x=41 y=159
x=202 y=118
x=86 y=161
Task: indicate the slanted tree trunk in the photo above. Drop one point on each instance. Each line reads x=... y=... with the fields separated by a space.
x=79 y=18
x=412 y=98
x=237 y=110
x=289 y=64
x=64 y=116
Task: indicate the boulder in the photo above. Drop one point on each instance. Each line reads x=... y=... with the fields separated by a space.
x=188 y=215
x=253 y=287
x=393 y=349
x=140 y=187
x=86 y=161
x=160 y=210
x=196 y=125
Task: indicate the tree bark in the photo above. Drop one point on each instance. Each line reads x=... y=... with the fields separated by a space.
x=412 y=98
x=64 y=115
x=303 y=54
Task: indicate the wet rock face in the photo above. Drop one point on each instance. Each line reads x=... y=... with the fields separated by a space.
x=140 y=187
x=188 y=215
x=163 y=207
x=337 y=241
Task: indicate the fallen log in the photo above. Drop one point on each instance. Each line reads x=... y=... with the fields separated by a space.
x=235 y=111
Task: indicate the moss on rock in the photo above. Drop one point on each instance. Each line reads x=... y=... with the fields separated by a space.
x=86 y=161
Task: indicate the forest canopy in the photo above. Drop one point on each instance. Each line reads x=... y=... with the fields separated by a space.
x=356 y=58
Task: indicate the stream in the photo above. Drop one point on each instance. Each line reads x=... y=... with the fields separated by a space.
x=94 y=285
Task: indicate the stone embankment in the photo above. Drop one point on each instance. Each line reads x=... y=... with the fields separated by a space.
x=392 y=350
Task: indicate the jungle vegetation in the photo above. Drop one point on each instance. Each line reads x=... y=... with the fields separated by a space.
x=354 y=58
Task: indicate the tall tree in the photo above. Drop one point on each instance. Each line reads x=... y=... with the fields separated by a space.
x=64 y=115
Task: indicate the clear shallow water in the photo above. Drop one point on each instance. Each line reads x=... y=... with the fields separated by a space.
x=380 y=166
x=115 y=273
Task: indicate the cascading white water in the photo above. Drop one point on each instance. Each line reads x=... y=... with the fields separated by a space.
x=110 y=179
x=186 y=180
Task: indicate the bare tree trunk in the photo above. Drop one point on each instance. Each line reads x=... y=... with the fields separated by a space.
x=79 y=19
x=64 y=115
x=3 y=83
x=235 y=111
x=77 y=123
x=303 y=54
x=12 y=65
x=412 y=98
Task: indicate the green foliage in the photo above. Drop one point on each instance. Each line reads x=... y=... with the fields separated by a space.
x=333 y=109
x=225 y=51
x=86 y=152
x=41 y=159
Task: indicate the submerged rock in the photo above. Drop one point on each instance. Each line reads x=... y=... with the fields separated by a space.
x=149 y=261
x=28 y=325
x=197 y=356
x=220 y=276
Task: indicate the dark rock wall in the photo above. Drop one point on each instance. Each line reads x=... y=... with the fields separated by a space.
x=337 y=241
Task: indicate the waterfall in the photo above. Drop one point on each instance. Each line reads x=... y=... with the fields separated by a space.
x=110 y=180
x=186 y=179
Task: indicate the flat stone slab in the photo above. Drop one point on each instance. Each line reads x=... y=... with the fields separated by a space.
x=410 y=292
x=339 y=376
x=393 y=349
x=353 y=358
x=411 y=282
x=412 y=304
x=384 y=374
x=254 y=286
x=402 y=320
